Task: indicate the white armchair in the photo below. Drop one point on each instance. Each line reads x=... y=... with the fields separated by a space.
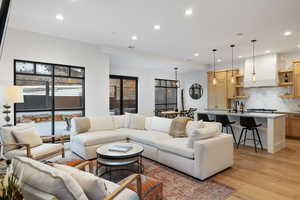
x=11 y=148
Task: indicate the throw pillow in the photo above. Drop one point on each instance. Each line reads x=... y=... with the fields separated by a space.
x=82 y=124
x=201 y=134
x=93 y=186
x=119 y=121
x=193 y=125
x=178 y=127
x=7 y=136
x=137 y=122
x=28 y=136
x=47 y=179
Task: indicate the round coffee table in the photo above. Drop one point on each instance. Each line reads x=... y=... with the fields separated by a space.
x=108 y=158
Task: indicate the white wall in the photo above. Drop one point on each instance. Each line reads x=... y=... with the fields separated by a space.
x=38 y=47
x=187 y=80
x=146 y=81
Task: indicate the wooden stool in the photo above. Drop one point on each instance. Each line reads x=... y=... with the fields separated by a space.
x=152 y=189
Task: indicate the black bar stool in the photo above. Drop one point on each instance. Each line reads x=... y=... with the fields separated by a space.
x=204 y=117
x=249 y=124
x=223 y=119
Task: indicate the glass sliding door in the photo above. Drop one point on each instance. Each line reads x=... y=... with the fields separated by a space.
x=123 y=95
x=53 y=95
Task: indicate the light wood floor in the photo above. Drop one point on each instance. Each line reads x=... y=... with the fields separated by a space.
x=264 y=176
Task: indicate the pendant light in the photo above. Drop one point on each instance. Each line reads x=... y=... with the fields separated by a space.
x=232 y=75
x=253 y=61
x=176 y=77
x=214 y=78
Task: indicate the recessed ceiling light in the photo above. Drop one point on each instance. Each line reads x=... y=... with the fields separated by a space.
x=156 y=27
x=59 y=17
x=299 y=45
x=196 y=54
x=219 y=60
x=287 y=33
x=134 y=37
x=188 y=12
x=240 y=56
x=268 y=51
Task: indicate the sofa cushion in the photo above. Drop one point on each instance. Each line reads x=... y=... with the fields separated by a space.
x=176 y=146
x=98 y=137
x=101 y=123
x=148 y=137
x=93 y=186
x=48 y=179
x=119 y=121
x=81 y=124
x=28 y=136
x=161 y=124
x=148 y=123
x=37 y=153
x=137 y=122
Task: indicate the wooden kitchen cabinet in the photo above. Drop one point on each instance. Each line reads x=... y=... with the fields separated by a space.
x=293 y=126
x=296 y=65
x=231 y=87
x=218 y=94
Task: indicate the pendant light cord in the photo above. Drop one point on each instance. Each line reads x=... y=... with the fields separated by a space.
x=253 y=55
x=232 y=46
x=214 y=51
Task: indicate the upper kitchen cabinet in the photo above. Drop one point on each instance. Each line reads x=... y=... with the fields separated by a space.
x=221 y=94
x=217 y=94
x=296 y=66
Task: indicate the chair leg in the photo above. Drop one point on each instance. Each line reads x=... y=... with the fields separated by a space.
x=227 y=129
x=240 y=138
x=232 y=133
x=245 y=136
x=254 y=140
x=259 y=139
x=222 y=128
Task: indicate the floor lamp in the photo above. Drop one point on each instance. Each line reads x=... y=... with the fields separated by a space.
x=12 y=94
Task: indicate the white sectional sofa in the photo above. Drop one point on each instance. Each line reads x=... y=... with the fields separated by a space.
x=206 y=158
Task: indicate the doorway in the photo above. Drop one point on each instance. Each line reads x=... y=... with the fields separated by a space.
x=123 y=94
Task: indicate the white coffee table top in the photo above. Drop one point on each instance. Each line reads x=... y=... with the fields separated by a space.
x=104 y=151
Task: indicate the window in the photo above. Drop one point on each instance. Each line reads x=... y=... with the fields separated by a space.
x=123 y=92
x=53 y=94
x=165 y=95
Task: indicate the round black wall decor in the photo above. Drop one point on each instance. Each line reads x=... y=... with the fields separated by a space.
x=196 y=91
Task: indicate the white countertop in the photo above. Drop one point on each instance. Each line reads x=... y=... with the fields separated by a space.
x=257 y=115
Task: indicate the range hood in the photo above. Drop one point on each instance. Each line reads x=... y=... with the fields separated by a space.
x=266 y=68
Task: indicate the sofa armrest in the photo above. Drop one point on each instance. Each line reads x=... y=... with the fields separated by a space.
x=124 y=185
x=213 y=155
x=27 y=146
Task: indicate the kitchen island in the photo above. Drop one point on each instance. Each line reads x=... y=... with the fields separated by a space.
x=272 y=131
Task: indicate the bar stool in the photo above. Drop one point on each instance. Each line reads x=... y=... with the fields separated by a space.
x=249 y=124
x=223 y=119
x=204 y=117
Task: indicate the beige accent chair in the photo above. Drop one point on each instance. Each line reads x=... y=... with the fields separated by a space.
x=35 y=189
x=10 y=148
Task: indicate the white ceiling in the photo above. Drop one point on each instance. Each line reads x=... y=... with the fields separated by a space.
x=214 y=24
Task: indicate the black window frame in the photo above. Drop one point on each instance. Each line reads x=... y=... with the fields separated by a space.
x=166 y=88
x=53 y=76
x=121 y=78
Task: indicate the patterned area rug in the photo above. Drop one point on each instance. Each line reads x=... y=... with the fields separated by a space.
x=176 y=185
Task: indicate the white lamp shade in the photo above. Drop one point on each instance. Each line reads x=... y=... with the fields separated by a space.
x=14 y=94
